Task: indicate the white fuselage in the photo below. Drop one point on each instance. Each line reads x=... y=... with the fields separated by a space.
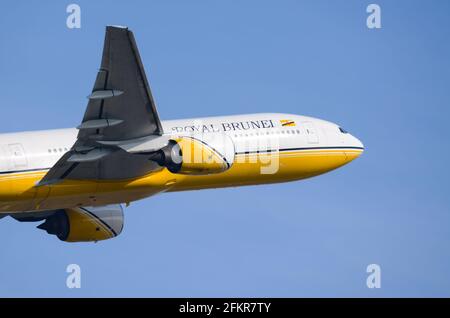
x=265 y=148
x=40 y=150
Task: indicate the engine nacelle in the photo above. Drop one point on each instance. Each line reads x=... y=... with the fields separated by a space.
x=197 y=155
x=85 y=224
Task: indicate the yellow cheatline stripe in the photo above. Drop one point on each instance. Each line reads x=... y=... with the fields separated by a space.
x=320 y=150
x=14 y=176
x=31 y=172
x=300 y=153
x=284 y=154
x=23 y=174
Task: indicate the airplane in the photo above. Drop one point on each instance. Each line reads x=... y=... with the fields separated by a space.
x=76 y=181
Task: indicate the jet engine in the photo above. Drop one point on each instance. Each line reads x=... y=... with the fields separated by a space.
x=197 y=155
x=85 y=224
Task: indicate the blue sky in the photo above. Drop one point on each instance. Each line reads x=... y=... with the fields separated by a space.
x=388 y=87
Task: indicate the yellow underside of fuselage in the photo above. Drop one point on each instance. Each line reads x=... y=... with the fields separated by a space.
x=18 y=191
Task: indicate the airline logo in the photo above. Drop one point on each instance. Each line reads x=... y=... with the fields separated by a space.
x=287 y=123
x=226 y=126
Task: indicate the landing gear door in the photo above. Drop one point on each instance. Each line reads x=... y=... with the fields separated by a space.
x=311 y=132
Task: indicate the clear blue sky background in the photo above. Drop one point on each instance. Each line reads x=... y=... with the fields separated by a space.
x=389 y=87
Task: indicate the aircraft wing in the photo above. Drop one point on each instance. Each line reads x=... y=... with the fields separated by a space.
x=121 y=103
x=120 y=110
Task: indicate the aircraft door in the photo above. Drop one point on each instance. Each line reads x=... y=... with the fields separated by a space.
x=4 y=159
x=311 y=133
x=18 y=156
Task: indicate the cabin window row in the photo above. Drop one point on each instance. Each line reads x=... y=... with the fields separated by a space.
x=56 y=150
x=271 y=132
